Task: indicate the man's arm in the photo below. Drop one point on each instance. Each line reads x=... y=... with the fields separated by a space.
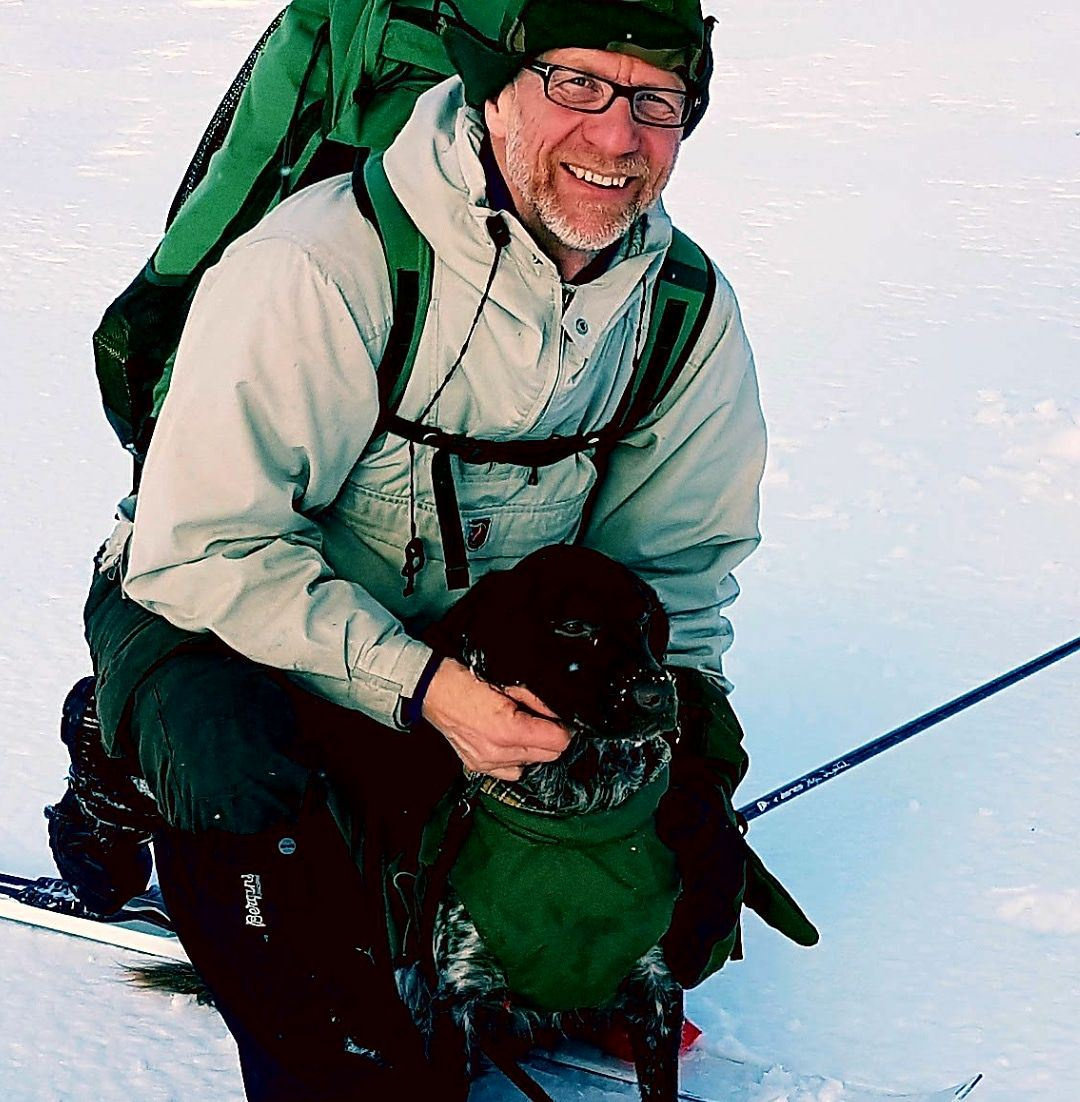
x=680 y=506
x=273 y=399
x=679 y=502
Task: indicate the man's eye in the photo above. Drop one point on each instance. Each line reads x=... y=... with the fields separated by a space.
x=659 y=106
x=577 y=82
x=574 y=629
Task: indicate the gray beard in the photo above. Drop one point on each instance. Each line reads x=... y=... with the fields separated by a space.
x=548 y=210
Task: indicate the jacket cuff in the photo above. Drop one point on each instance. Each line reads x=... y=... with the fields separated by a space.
x=411 y=707
x=378 y=696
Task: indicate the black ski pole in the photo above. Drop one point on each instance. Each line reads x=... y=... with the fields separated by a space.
x=834 y=768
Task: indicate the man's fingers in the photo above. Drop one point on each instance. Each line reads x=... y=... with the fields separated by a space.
x=539 y=735
x=491 y=730
x=488 y=758
x=530 y=700
x=533 y=754
x=507 y=773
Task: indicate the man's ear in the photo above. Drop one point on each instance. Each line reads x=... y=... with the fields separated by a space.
x=495 y=115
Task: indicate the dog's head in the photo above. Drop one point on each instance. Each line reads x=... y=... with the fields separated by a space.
x=577 y=628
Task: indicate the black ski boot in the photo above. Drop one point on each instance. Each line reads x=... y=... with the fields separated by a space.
x=99 y=832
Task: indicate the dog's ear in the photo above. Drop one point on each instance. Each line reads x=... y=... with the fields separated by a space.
x=464 y=631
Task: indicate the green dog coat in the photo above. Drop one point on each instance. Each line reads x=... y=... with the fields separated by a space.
x=567 y=904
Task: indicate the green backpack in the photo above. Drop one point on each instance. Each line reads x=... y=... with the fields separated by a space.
x=328 y=81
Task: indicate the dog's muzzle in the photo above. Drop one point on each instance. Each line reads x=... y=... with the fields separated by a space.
x=646 y=705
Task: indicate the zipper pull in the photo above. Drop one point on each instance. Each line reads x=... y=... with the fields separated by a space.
x=414 y=563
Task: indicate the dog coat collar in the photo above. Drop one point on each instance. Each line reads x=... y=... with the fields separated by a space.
x=567 y=904
x=657 y=755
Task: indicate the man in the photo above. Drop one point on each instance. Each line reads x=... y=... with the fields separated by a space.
x=272 y=525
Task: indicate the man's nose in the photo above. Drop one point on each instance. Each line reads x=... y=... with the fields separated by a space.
x=613 y=131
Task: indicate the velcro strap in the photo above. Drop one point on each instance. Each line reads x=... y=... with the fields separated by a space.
x=446 y=508
x=513 y=1071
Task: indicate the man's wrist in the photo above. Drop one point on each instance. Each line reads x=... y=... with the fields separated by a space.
x=412 y=706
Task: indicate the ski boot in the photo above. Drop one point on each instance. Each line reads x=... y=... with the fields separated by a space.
x=100 y=830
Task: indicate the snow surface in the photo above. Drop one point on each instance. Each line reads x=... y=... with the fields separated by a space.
x=893 y=191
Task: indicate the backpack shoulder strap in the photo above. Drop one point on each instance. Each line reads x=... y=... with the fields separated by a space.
x=409 y=261
x=682 y=297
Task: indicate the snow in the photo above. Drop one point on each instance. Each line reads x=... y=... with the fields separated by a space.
x=892 y=190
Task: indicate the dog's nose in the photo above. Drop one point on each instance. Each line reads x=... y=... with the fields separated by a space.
x=653 y=698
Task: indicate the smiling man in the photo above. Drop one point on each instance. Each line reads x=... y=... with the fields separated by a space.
x=257 y=621
x=583 y=171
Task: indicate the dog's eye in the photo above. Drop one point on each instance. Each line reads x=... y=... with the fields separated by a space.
x=574 y=629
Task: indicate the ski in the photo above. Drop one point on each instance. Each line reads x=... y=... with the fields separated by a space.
x=711 y=1078
x=142 y=925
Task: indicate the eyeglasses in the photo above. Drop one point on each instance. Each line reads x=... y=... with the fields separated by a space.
x=586 y=92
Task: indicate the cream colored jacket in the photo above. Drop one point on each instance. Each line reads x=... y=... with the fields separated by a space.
x=267 y=514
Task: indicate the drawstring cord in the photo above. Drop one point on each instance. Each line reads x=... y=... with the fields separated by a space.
x=500 y=238
x=446 y=500
x=638 y=349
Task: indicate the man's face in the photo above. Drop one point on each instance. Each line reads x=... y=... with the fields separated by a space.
x=543 y=148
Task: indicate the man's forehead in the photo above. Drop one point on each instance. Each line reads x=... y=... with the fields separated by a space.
x=626 y=67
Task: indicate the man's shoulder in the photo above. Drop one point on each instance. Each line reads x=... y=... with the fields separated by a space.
x=323 y=223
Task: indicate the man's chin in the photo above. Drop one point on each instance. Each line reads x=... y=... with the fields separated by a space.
x=588 y=232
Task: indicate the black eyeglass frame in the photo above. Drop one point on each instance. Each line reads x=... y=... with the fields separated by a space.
x=618 y=91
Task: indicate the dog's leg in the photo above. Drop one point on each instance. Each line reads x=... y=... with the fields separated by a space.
x=470 y=995
x=651 y=1005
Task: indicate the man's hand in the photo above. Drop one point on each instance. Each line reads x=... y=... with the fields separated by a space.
x=494 y=731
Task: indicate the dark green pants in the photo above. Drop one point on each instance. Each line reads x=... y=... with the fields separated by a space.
x=281 y=812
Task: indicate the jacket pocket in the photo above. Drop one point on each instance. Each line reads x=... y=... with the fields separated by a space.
x=504 y=515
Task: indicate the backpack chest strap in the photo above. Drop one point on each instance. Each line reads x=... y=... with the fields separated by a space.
x=478 y=450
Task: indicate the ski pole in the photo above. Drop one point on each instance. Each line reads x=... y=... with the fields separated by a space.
x=834 y=768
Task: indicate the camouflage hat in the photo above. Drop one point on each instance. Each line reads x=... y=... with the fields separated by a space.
x=488 y=43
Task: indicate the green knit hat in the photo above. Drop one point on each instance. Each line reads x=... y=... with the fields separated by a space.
x=489 y=43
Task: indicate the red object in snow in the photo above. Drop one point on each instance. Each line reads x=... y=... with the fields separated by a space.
x=615 y=1042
